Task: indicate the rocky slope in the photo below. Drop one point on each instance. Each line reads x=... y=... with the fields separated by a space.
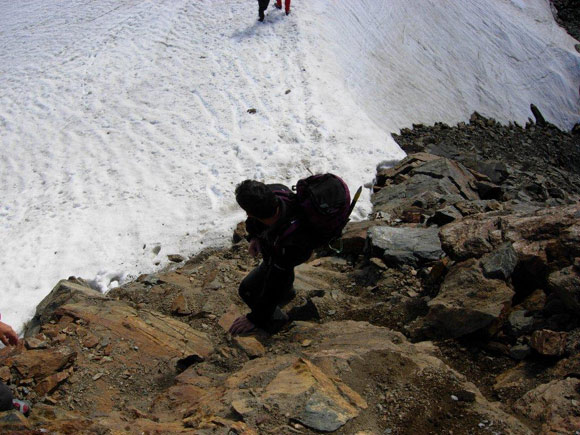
x=568 y=16
x=454 y=308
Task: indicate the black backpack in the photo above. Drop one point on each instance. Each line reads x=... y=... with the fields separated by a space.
x=325 y=205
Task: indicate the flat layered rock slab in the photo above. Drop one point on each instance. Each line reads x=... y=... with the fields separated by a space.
x=155 y=335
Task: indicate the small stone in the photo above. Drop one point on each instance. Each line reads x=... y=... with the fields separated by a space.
x=251 y=346
x=454 y=397
x=176 y=258
x=5 y=374
x=261 y=419
x=379 y=263
x=251 y=111
x=179 y=305
x=50 y=400
x=306 y=343
x=97 y=376
x=90 y=341
x=35 y=343
x=520 y=351
x=287 y=91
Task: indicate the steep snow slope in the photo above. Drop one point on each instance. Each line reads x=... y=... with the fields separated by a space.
x=124 y=124
x=433 y=60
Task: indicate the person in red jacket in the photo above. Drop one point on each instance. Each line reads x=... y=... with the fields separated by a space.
x=263 y=5
x=286 y=5
x=7 y=402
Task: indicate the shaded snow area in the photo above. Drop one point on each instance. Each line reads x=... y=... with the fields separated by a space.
x=124 y=124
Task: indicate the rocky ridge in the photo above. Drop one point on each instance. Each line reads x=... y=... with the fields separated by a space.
x=454 y=308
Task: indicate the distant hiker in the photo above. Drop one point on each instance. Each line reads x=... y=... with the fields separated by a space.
x=7 y=401
x=286 y=5
x=285 y=227
x=263 y=5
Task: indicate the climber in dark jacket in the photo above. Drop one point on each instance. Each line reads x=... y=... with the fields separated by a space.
x=272 y=231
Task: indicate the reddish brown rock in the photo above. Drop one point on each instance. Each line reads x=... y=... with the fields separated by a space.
x=467 y=302
x=5 y=374
x=251 y=346
x=530 y=234
x=179 y=305
x=549 y=343
x=90 y=340
x=66 y=291
x=555 y=405
x=48 y=384
x=354 y=236
x=240 y=232
x=228 y=318
x=152 y=333
x=42 y=363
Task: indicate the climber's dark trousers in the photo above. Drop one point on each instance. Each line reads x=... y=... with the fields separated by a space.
x=5 y=398
x=262 y=6
x=264 y=288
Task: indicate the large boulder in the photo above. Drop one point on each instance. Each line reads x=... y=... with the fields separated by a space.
x=538 y=237
x=467 y=302
x=403 y=245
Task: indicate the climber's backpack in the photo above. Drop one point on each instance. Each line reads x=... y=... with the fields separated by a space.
x=325 y=206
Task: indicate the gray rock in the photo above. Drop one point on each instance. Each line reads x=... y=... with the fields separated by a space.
x=176 y=258
x=412 y=246
x=500 y=263
x=424 y=181
x=496 y=171
x=519 y=323
x=520 y=351
x=444 y=216
x=322 y=414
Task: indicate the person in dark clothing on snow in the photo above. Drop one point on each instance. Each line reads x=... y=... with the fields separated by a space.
x=263 y=5
x=270 y=285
